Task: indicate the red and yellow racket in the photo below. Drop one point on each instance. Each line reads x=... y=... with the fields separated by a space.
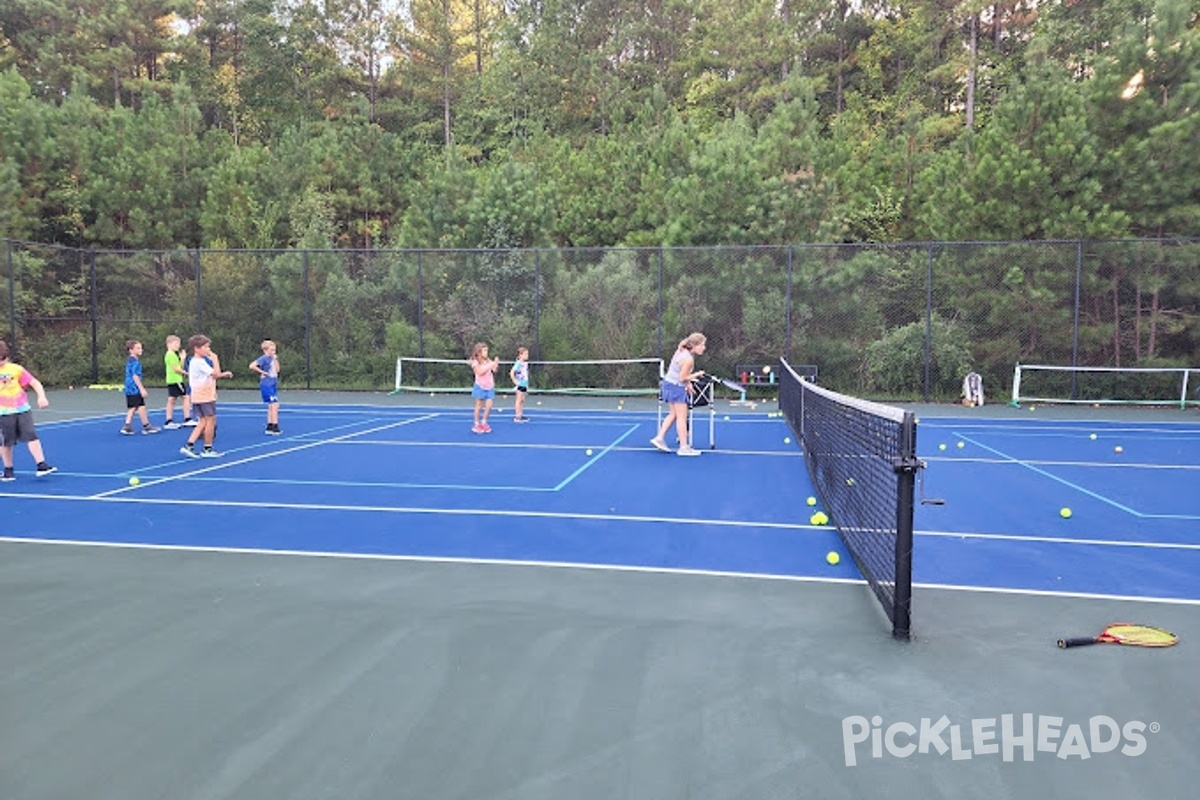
x=1125 y=633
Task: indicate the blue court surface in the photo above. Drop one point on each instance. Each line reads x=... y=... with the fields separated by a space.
x=380 y=603
x=583 y=487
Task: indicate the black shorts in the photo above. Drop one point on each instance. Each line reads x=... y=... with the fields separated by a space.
x=176 y=390
x=134 y=401
x=17 y=428
x=522 y=389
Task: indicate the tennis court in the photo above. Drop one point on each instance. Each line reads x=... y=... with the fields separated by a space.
x=379 y=603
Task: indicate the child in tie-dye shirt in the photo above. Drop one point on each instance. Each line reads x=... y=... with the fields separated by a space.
x=16 y=416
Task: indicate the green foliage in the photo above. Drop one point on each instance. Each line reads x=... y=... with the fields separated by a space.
x=895 y=364
x=605 y=310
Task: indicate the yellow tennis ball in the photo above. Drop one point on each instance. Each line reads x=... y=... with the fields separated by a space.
x=815 y=519
x=1065 y=513
x=832 y=557
x=941 y=447
x=589 y=452
x=134 y=481
x=787 y=440
x=1092 y=437
x=812 y=501
x=1118 y=449
x=961 y=445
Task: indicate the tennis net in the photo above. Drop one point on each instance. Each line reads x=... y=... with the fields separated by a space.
x=861 y=457
x=624 y=376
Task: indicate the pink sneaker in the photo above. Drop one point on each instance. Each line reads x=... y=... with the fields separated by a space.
x=487 y=428
x=478 y=429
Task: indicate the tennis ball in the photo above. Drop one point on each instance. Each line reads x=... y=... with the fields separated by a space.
x=1092 y=437
x=1118 y=449
x=812 y=501
x=589 y=452
x=787 y=440
x=815 y=519
x=941 y=447
x=849 y=481
x=961 y=445
x=1065 y=513
x=134 y=481
x=832 y=557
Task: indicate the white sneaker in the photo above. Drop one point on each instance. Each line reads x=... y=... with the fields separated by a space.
x=210 y=453
x=685 y=450
x=189 y=423
x=189 y=452
x=660 y=444
x=170 y=425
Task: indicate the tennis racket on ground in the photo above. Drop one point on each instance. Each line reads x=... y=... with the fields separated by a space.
x=1125 y=633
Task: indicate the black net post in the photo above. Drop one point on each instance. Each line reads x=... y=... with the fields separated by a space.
x=907 y=466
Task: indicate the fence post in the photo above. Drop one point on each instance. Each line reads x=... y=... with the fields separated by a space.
x=94 y=313
x=307 y=326
x=928 y=318
x=199 y=294
x=787 y=305
x=1075 y=317
x=537 y=303
x=12 y=295
x=660 y=302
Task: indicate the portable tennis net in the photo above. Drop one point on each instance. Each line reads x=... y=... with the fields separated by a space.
x=861 y=457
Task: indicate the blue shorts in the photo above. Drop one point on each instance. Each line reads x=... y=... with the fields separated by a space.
x=674 y=392
x=480 y=393
x=270 y=391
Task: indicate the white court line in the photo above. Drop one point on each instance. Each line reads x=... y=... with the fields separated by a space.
x=1049 y=463
x=272 y=454
x=1012 y=537
x=108 y=497
x=562 y=515
x=490 y=443
x=1032 y=468
x=757 y=576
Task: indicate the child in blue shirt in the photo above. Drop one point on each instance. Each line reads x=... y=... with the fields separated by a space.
x=267 y=367
x=135 y=390
x=520 y=378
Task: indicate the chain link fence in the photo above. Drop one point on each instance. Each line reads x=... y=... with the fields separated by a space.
x=897 y=321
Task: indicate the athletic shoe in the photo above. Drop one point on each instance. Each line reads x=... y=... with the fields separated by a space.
x=486 y=428
x=521 y=418
x=685 y=450
x=171 y=425
x=478 y=429
x=45 y=469
x=127 y=431
x=189 y=452
x=272 y=432
x=189 y=423
x=208 y=452
x=659 y=444
x=8 y=475
x=149 y=429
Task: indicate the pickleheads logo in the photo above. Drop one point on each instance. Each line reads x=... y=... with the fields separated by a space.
x=1028 y=734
